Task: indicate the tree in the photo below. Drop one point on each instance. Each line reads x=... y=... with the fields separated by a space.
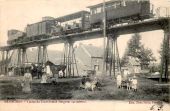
x=165 y=58
x=125 y=58
x=134 y=45
x=145 y=56
x=136 y=49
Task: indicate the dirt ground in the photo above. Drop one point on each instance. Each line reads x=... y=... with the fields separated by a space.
x=10 y=88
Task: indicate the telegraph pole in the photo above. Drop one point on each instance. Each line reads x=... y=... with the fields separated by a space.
x=104 y=37
x=165 y=51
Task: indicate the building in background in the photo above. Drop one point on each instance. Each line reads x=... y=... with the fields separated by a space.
x=89 y=57
x=132 y=66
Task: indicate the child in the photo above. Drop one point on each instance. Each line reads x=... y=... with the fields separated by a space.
x=134 y=83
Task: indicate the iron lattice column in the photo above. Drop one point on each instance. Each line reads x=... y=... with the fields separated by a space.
x=109 y=55
x=19 y=61
x=116 y=60
x=44 y=57
x=69 y=59
x=39 y=55
x=65 y=57
x=7 y=62
x=44 y=54
x=112 y=56
x=23 y=58
x=2 y=62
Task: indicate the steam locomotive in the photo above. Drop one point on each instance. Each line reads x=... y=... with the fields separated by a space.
x=116 y=12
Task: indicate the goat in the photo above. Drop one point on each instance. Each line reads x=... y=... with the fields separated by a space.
x=90 y=85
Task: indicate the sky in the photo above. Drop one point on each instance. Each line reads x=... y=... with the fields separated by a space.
x=16 y=14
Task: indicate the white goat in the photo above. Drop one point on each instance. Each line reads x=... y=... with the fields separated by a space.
x=90 y=85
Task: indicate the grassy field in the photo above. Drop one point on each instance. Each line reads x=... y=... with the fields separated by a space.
x=10 y=88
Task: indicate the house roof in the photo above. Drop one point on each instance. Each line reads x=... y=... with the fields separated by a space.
x=110 y=3
x=93 y=51
x=71 y=16
x=101 y=4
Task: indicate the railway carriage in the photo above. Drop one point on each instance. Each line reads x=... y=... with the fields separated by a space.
x=75 y=22
x=120 y=11
x=40 y=30
x=117 y=12
x=13 y=36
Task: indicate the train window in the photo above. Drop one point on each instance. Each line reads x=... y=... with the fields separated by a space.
x=99 y=10
x=93 y=11
x=87 y=16
x=109 y=6
x=114 y=5
x=123 y=3
x=117 y=4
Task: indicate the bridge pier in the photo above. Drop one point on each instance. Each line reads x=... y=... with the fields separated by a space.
x=44 y=57
x=44 y=51
x=109 y=55
x=6 y=65
x=112 y=59
x=19 y=61
x=69 y=59
x=42 y=54
x=23 y=58
x=39 y=55
x=19 y=58
x=2 y=61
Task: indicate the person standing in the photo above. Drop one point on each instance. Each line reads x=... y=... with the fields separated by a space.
x=48 y=71
x=44 y=78
x=134 y=83
x=119 y=80
x=26 y=83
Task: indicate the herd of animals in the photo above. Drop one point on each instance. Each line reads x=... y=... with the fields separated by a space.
x=117 y=12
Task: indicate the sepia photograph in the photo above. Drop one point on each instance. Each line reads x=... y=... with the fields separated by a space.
x=109 y=55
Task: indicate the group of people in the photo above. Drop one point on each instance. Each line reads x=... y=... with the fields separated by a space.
x=128 y=82
x=46 y=77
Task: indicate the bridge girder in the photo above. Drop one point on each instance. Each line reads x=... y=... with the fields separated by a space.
x=150 y=25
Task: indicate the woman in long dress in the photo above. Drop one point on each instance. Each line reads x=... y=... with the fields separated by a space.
x=26 y=83
x=119 y=80
x=48 y=71
x=44 y=78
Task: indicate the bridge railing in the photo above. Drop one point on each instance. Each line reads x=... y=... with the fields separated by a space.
x=162 y=12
